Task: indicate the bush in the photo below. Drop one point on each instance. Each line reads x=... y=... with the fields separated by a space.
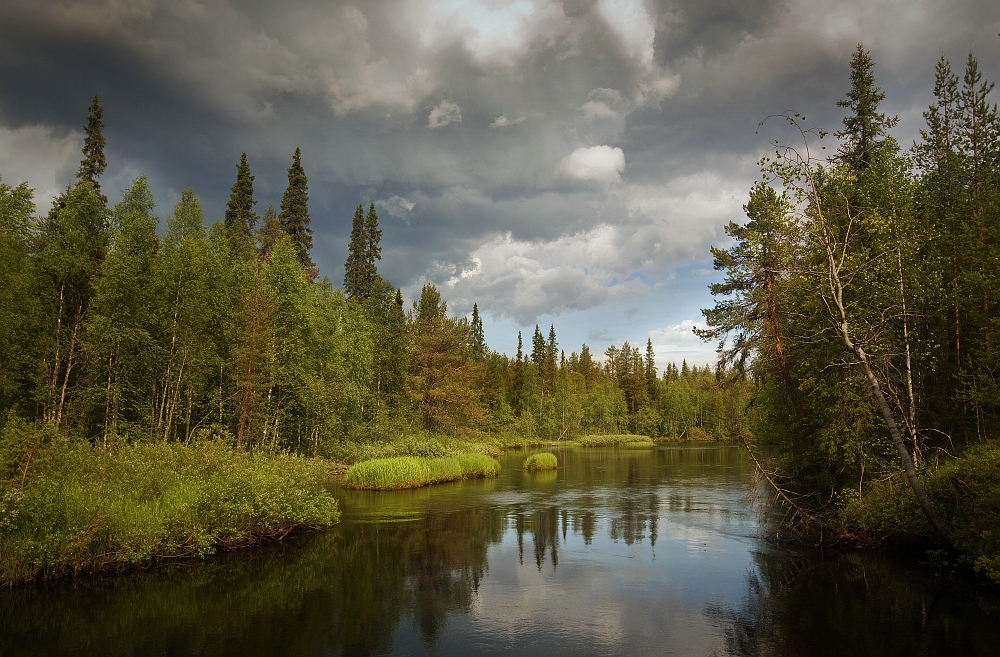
x=965 y=492
x=71 y=507
x=412 y=472
x=542 y=461
x=604 y=440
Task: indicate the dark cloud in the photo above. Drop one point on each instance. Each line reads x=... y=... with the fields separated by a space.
x=523 y=204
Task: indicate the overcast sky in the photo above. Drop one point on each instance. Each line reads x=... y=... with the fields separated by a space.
x=557 y=162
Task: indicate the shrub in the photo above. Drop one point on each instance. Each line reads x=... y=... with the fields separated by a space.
x=542 y=461
x=965 y=492
x=78 y=508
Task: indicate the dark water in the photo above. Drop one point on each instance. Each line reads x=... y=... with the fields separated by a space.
x=642 y=551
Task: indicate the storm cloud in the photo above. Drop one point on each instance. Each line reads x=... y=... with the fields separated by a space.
x=566 y=162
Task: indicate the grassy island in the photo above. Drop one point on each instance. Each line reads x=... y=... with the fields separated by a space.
x=614 y=440
x=415 y=471
x=542 y=461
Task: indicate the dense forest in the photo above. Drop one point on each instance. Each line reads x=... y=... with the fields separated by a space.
x=862 y=296
x=118 y=329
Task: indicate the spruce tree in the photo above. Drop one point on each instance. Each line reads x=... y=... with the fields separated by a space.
x=865 y=128
x=650 y=368
x=93 y=163
x=240 y=217
x=357 y=253
x=373 y=251
x=538 y=349
x=360 y=270
x=294 y=216
x=478 y=337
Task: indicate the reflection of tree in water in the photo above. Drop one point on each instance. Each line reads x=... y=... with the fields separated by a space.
x=634 y=518
x=340 y=592
x=544 y=528
x=446 y=562
x=634 y=515
x=857 y=605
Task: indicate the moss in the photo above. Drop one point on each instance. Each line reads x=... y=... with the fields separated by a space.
x=542 y=461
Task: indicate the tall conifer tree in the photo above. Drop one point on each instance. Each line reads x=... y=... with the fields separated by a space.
x=294 y=216
x=478 y=337
x=357 y=252
x=373 y=251
x=866 y=127
x=240 y=217
x=93 y=163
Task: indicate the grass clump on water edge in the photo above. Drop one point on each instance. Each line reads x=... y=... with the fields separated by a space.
x=542 y=461
x=68 y=507
x=413 y=471
x=602 y=440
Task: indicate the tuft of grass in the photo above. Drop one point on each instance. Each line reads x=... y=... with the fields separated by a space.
x=71 y=507
x=400 y=472
x=607 y=440
x=541 y=461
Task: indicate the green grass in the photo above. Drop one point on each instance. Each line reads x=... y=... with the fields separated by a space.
x=541 y=461
x=400 y=472
x=601 y=440
x=79 y=508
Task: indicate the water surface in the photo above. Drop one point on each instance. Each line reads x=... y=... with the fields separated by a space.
x=621 y=551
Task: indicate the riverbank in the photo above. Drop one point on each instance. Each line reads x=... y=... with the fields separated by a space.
x=964 y=491
x=68 y=507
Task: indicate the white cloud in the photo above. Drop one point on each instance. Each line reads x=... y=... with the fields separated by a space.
x=600 y=163
x=396 y=206
x=502 y=121
x=631 y=21
x=651 y=93
x=523 y=279
x=33 y=154
x=594 y=109
x=678 y=342
x=444 y=113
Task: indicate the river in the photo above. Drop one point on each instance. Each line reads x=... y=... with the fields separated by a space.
x=621 y=551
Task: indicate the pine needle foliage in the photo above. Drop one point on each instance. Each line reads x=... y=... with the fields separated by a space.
x=240 y=217
x=294 y=215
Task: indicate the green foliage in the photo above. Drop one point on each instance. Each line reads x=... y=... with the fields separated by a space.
x=865 y=127
x=360 y=271
x=414 y=471
x=966 y=491
x=93 y=163
x=294 y=215
x=18 y=303
x=541 y=461
x=81 y=508
x=240 y=219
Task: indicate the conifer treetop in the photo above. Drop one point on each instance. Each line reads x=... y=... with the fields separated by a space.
x=93 y=163
x=294 y=216
x=865 y=128
x=240 y=218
